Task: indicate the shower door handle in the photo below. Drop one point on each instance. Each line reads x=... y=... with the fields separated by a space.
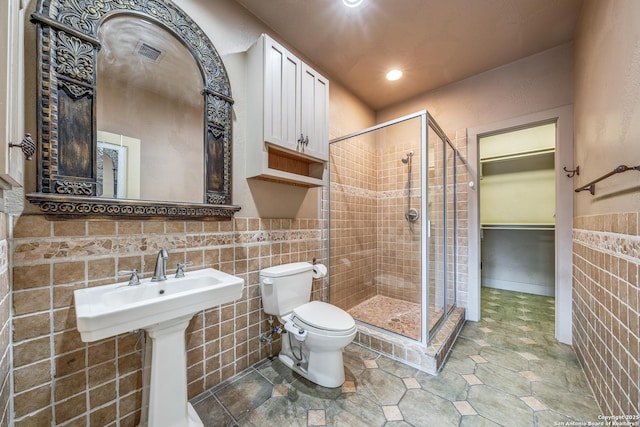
x=428 y=228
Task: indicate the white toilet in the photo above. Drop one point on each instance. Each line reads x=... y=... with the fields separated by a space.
x=316 y=332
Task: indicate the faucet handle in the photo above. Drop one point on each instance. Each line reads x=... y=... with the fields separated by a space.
x=180 y=269
x=134 y=279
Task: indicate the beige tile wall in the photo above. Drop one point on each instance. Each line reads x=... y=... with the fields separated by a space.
x=353 y=221
x=373 y=250
x=606 y=308
x=5 y=325
x=399 y=255
x=59 y=378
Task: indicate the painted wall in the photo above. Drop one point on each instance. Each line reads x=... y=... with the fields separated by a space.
x=532 y=84
x=606 y=237
x=607 y=104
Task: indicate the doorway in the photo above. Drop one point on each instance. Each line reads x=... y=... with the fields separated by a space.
x=517 y=210
x=562 y=119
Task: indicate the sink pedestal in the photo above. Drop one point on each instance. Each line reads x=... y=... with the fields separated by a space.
x=163 y=309
x=168 y=405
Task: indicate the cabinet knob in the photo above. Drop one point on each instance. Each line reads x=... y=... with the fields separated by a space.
x=27 y=146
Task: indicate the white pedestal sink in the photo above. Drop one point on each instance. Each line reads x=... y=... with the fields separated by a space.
x=164 y=310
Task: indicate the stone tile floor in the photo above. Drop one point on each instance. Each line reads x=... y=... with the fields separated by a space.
x=506 y=370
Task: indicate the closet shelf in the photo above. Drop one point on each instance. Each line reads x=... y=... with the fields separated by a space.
x=519 y=155
x=518 y=226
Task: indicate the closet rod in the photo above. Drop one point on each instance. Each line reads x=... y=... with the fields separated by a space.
x=592 y=185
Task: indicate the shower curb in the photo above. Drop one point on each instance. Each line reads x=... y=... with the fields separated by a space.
x=428 y=359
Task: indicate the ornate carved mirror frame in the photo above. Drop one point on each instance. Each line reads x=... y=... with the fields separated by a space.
x=68 y=46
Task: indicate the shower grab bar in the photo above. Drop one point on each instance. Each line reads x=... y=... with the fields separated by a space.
x=591 y=187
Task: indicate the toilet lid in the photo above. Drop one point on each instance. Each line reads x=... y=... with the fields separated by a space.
x=324 y=316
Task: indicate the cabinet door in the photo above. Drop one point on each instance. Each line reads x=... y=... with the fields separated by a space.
x=282 y=96
x=314 y=111
x=11 y=93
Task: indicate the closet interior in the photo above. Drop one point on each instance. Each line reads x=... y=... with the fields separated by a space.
x=517 y=210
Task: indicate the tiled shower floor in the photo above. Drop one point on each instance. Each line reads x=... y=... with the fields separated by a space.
x=394 y=315
x=506 y=370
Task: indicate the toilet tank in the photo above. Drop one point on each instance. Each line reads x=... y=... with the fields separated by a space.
x=285 y=287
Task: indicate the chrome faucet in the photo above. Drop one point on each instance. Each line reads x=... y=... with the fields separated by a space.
x=160 y=272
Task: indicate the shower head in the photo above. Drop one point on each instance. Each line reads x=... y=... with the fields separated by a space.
x=405 y=160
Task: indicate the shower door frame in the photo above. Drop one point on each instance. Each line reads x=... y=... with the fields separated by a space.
x=446 y=231
x=425 y=226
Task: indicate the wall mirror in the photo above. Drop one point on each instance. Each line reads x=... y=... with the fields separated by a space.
x=134 y=113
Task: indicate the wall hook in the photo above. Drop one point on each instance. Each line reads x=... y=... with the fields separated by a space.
x=572 y=173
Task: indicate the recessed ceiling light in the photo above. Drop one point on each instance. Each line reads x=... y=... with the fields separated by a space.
x=352 y=3
x=394 y=75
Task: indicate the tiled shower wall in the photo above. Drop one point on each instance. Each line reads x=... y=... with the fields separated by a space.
x=398 y=258
x=60 y=379
x=352 y=211
x=5 y=325
x=373 y=249
x=606 y=308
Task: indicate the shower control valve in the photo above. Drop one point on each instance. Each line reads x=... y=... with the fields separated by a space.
x=412 y=215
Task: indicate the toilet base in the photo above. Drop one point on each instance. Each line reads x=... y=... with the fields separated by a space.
x=323 y=368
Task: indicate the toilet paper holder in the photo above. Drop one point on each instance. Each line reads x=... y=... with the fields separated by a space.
x=319 y=271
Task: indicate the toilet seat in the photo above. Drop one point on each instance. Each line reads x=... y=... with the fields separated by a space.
x=322 y=318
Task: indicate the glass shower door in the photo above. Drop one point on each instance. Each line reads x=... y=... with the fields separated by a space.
x=442 y=226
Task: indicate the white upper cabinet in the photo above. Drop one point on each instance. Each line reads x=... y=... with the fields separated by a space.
x=281 y=92
x=12 y=94
x=288 y=116
x=314 y=111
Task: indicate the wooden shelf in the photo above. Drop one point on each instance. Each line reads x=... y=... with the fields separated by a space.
x=289 y=168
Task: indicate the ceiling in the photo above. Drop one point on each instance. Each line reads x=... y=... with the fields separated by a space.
x=434 y=42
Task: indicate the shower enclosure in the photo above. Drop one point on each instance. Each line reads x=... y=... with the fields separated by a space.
x=394 y=226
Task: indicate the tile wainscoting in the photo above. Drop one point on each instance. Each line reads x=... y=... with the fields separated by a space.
x=606 y=307
x=5 y=326
x=60 y=379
